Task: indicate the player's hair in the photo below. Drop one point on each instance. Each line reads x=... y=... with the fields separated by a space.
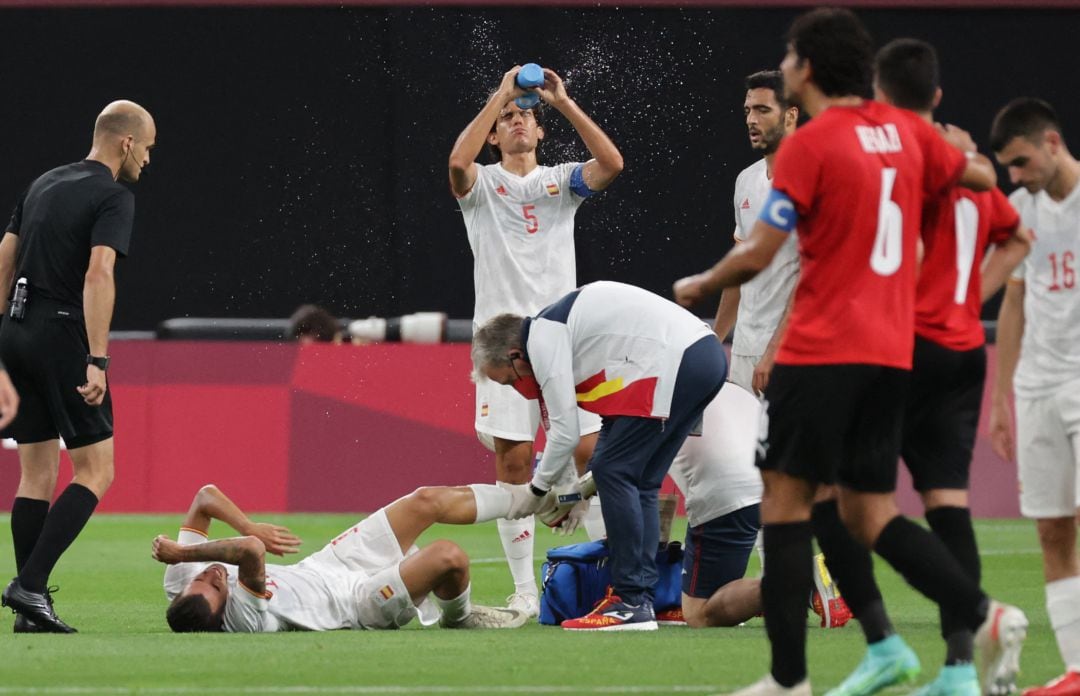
x=1025 y=117
x=769 y=79
x=493 y=341
x=493 y=151
x=191 y=614
x=838 y=47
x=907 y=72
x=314 y=321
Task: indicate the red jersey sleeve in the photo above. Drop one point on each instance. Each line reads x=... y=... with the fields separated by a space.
x=1003 y=217
x=943 y=164
x=796 y=172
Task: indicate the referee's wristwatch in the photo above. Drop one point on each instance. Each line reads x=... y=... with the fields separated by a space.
x=102 y=363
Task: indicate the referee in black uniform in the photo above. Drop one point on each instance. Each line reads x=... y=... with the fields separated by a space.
x=57 y=261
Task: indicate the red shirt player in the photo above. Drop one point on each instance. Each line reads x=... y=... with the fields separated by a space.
x=855 y=179
x=949 y=366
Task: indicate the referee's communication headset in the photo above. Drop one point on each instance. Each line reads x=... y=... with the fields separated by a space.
x=127 y=151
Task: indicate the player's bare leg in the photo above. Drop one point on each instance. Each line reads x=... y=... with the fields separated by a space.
x=732 y=604
x=410 y=516
x=513 y=467
x=442 y=569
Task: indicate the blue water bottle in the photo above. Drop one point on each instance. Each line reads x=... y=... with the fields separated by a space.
x=530 y=75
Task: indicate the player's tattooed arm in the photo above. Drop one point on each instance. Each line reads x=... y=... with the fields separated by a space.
x=210 y=503
x=248 y=553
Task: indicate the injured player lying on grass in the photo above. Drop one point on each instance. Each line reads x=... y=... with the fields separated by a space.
x=372 y=576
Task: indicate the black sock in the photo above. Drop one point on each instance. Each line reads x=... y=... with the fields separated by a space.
x=27 y=519
x=64 y=522
x=785 y=586
x=928 y=566
x=953 y=526
x=852 y=568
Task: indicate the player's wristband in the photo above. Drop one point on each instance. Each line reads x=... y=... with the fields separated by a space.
x=536 y=491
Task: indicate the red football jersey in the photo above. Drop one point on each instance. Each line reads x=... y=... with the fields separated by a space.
x=858 y=177
x=957 y=229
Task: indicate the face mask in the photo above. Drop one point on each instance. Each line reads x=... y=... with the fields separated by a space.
x=527 y=387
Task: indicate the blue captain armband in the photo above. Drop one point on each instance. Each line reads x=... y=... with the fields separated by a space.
x=779 y=211
x=577 y=182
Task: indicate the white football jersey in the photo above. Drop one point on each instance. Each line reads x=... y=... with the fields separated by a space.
x=716 y=471
x=521 y=231
x=763 y=299
x=1050 y=351
x=306 y=597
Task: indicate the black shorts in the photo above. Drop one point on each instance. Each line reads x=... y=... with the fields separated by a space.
x=942 y=414
x=716 y=552
x=835 y=424
x=45 y=355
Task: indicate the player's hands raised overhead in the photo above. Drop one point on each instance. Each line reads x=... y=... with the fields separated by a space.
x=554 y=91
x=277 y=539
x=509 y=87
x=166 y=550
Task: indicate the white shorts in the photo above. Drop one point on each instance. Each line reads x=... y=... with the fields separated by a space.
x=1048 y=453
x=504 y=413
x=741 y=371
x=371 y=556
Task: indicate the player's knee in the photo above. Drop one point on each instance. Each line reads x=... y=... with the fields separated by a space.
x=449 y=556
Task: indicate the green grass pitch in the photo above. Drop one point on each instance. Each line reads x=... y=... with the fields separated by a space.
x=111 y=591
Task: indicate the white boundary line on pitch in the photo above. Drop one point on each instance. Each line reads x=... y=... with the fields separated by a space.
x=386 y=689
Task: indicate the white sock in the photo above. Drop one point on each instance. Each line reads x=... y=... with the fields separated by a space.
x=456 y=609
x=1063 y=608
x=594 y=521
x=517 y=541
x=492 y=502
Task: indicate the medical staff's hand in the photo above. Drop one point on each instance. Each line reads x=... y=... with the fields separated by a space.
x=522 y=501
x=574 y=519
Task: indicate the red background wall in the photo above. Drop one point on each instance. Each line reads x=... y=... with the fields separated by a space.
x=284 y=427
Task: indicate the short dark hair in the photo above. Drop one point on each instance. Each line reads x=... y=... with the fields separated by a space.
x=769 y=79
x=312 y=320
x=1025 y=117
x=191 y=614
x=907 y=72
x=838 y=47
x=493 y=151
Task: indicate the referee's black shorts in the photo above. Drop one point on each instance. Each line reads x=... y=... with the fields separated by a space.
x=835 y=424
x=45 y=355
x=942 y=414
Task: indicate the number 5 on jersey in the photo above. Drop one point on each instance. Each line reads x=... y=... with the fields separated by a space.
x=532 y=225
